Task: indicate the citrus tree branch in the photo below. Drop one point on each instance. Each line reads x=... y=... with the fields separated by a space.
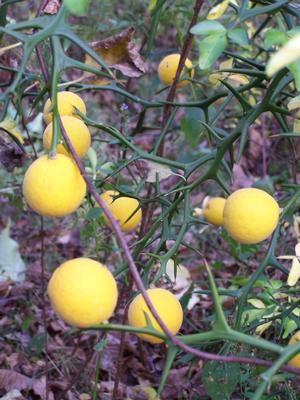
x=138 y=281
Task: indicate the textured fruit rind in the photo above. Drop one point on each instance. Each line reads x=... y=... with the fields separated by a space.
x=167 y=70
x=77 y=132
x=250 y=215
x=295 y=361
x=83 y=292
x=66 y=101
x=121 y=209
x=167 y=306
x=213 y=210
x=53 y=187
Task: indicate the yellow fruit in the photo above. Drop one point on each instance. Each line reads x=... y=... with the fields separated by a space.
x=167 y=306
x=168 y=67
x=76 y=130
x=213 y=210
x=53 y=187
x=121 y=209
x=295 y=361
x=67 y=102
x=250 y=215
x=83 y=292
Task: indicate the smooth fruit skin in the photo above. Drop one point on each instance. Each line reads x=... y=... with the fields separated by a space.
x=167 y=306
x=53 y=187
x=168 y=67
x=213 y=210
x=121 y=209
x=295 y=361
x=250 y=215
x=77 y=132
x=66 y=101
x=83 y=292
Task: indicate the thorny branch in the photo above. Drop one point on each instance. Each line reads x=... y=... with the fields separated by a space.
x=139 y=283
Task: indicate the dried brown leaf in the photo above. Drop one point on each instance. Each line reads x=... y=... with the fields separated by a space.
x=13 y=380
x=11 y=155
x=120 y=53
x=39 y=388
x=51 y=7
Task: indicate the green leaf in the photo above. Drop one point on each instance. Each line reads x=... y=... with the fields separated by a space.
x=36 y=344
x=274 y=37
x=191 y=126
x=220 y=379
x=11 y=264
x=151 y=5
x=265 y=184
x=239 y=36
x=77 y=7
x=93 y=213
x=206 y=28
x=289 y=326
x=210 y=49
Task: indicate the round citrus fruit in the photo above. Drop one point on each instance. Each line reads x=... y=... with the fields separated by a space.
x=77 y=132
x=168 y=67
x=166 y=305
x=250 y=215
x=295 y=361
x=124 y=209
x=67 y=103
x=53 y=187
x=213 y=210
x=83 y=292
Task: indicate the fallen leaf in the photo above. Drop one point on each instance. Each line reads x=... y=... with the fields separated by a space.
x=13 y=395
x=182 y=282
x=39 y=387
x=157 y=171
x=118 y=52
x=11 y=155
x=51 y=7
x=13 y=380
x=11 y=264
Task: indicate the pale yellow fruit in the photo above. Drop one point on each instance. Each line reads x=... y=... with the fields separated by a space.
x=83 y=292
x=77 y=132
x=295 y=361
x=168 y=67
x=67 y=103
x=166 y=305
x=53 y=187
x=213 y=210
x=122 y=210
x=250 y=215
